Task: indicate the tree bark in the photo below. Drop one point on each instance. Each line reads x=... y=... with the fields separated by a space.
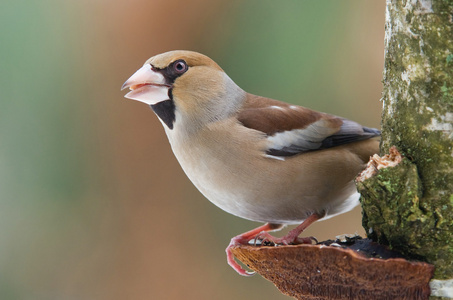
x=410 y=207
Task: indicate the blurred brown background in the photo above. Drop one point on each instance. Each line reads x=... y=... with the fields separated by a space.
x=93 y=204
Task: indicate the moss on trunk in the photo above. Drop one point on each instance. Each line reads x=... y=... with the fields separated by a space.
x=410 y=206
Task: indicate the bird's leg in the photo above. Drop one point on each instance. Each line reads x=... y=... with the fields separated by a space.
x=243 y=239
x=293 y=236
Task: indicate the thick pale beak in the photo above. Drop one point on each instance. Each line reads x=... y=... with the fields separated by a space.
x=147 y=86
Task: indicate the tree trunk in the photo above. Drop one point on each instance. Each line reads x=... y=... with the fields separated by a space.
x=410 y=207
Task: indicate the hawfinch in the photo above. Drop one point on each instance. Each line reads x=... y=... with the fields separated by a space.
x=254 y=157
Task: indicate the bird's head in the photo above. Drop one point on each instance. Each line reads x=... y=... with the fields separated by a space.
x=186 y=85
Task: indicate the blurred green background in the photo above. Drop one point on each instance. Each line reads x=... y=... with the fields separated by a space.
x=93 y=204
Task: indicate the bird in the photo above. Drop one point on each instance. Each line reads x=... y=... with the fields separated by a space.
x=254 y=157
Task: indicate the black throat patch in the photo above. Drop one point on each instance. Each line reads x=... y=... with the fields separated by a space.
x=165 y=110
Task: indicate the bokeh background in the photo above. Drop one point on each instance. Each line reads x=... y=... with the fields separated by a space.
x=93 y=204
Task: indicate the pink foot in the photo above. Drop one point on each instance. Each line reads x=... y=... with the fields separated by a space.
x=286 y=240
x=243 y=239
x=236 y=241
x=293 y=236
x=262 y=233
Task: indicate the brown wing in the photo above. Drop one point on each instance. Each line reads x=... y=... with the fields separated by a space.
x=293 y=129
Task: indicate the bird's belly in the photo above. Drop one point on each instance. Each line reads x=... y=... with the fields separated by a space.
x=224 y=190
x=262 y=196
x=274 y=205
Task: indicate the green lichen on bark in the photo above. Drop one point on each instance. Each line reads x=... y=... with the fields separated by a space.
x=403 y=218
x=410 y=206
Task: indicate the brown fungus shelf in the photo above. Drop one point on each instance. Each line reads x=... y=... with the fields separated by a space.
x=354 y=269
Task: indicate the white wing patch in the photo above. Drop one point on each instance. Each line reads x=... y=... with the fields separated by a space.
x=275 y=157
x=300 y=140
x=277 y=107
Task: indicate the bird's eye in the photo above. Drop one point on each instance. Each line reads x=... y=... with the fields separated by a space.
x=180 y=66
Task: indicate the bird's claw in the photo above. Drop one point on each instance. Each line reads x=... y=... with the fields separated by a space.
x=269 y=240
x=236 y=241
